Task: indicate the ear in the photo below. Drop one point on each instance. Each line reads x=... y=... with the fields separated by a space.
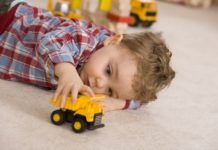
x=113 y=39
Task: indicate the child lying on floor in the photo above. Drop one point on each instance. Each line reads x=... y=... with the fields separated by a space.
x=74 y=56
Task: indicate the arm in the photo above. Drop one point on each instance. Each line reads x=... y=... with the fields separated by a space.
x=56 y=54
x=59 y=53
x=111 y=104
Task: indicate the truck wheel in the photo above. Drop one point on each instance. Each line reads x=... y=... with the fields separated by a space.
x=136 y=20
x=147 y=24
x=58 y=117
x=79 y=125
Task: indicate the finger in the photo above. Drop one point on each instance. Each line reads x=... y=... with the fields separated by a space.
x=102 y=100
x=96 y=100
x=64 y=95
x=86 y=93
x=86 y=90
x=63 y=99
x=74 y=93
x=57 y=93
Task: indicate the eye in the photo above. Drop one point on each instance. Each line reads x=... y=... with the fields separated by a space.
x=110 y=92
x=108 y=70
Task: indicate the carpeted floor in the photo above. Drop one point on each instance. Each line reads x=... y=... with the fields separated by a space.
x=185 y=116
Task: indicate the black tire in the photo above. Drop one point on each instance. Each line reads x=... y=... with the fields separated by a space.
x=58 y=117
x=136 y=20
x=147 y=24
x=79 y=125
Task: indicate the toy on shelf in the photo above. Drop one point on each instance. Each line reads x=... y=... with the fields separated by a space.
x=96 y=10
x=114 y=14
x=143 y=11
x=118 y=15
x=83 y=114
x=65 y=8
x=122 y=13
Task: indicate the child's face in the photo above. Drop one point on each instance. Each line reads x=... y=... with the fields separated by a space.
x=110 y=71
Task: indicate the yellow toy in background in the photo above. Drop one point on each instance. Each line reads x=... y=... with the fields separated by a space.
x=83 y=114
x=143 y=11
x=104 y=5
x=65 y=8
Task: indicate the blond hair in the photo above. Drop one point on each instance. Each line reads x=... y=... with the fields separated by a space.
x=153 y=64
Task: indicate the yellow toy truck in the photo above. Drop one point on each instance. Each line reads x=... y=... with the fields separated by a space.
x=143 y=11
x=83 y=114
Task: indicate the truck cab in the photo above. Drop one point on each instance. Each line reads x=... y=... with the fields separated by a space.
x=143 y=11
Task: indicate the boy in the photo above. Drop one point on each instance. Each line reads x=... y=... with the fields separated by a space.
x=75 y=56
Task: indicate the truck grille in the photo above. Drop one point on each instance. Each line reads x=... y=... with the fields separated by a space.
x=98 y=118
x=151 y=13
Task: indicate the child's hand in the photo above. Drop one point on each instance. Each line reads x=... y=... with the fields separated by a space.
x=110 y=104
x=69 y=82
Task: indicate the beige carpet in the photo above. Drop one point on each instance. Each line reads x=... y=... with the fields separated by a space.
x=185 y=117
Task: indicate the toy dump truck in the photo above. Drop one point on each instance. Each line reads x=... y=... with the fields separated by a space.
x=144 y=12
x=83 y=114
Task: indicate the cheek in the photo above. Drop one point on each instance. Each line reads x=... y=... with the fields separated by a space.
x=92 y=69
x=95 y=70
x=96 y=64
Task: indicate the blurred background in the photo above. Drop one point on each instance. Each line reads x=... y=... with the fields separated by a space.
x=118 y=15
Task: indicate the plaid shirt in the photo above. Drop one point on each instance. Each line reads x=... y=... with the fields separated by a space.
x=35 y=40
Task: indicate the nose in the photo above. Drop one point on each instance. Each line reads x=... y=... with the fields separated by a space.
x=100 y=83
x=100 y=86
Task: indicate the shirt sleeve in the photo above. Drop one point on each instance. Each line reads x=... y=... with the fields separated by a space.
x=53 y=49
x=98 y=31
x=56 y=47
x=132 y=104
